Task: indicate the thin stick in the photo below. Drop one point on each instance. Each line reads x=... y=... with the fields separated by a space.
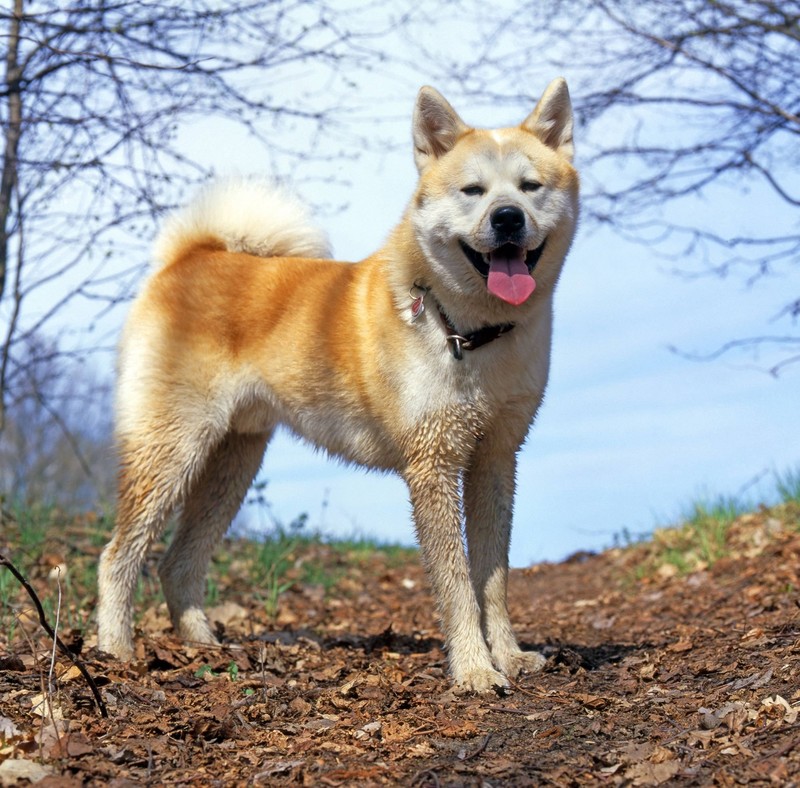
x=481 y=747
x=56 y=639
x=50 y=682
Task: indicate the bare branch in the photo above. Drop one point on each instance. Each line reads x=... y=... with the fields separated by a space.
x=98 y=699
x=92 y=106
x=686 y=103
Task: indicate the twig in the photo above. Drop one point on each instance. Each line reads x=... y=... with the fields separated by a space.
x=507 y=710
x=782 y=750
x=56 y=639
x=50 y=681
x=50 y=695
x=426 y=776
x=481 y=747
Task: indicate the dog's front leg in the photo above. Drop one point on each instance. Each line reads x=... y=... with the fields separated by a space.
x=435 y=498
x=488 y=500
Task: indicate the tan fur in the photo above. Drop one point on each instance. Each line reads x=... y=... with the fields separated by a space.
x=223 y=345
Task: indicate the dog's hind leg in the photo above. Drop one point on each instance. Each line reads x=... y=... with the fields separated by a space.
x=154 y=474
x=488 y=502
x=210 y=504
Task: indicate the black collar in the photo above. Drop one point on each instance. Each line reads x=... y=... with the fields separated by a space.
x=457 y=342
x=473 y=340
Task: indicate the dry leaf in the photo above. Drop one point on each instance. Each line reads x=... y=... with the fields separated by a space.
x=14 y=769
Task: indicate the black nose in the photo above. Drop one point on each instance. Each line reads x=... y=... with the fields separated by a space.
x=507 y=221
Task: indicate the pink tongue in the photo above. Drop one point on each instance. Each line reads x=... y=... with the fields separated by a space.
x=509 y=278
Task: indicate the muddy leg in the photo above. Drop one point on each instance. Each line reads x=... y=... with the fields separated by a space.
x=488 y=500
x=437 y=514
x=152 y=481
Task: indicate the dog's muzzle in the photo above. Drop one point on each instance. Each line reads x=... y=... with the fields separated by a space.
x=481 y=260
x=507 y=268
x=508 y=224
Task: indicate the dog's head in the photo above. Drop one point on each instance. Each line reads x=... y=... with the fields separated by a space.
x=495 y=210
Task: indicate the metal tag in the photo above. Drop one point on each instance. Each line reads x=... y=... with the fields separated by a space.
x=417 y=308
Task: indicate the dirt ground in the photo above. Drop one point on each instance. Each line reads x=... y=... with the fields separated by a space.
x=654 y=677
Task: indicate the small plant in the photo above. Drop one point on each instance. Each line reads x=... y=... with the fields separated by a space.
x=8 y=591
x=699 y=541
x=274 y=588
x=788 y=486
x=275 y=558
x=212 y=591
x=707 y=527
x=31 y=525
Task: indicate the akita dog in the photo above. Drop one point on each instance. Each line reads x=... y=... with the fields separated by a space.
x=429 y=358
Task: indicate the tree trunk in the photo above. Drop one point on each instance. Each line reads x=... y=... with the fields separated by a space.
x=8 y=178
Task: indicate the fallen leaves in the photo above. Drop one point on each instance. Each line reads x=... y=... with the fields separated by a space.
x=681 y=679
x=642 y=764
x=14 y=770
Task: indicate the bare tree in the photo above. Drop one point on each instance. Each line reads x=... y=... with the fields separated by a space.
x=94 y=100
x=56 y=447
x=685 y=104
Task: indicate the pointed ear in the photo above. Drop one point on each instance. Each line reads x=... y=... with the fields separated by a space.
x=551 y=121
x=436 y=127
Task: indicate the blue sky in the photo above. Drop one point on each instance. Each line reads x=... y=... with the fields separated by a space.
x=630 y=433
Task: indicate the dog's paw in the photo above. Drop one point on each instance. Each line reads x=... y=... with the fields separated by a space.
x=193 y=626
x=522 y=662
x=119 y=647
x=481 y=680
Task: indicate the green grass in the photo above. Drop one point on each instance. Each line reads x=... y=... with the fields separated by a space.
x=706 y=527
x=28 y=527
x=285 y=556
x=702 y=535
x=361 y=548
x=697 y=540
x=268 y=565
x=37 y=540
x=788 y=486
x=264 y=567
x=8 y=594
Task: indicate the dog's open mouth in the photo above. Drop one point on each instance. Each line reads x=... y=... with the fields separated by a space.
x=507 y=270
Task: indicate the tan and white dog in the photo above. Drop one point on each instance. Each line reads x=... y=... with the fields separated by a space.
x=429 y=358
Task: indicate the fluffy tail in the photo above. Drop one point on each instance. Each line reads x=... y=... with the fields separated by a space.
x=249 y=215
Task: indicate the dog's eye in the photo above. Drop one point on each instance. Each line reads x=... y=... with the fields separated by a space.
x=530 y=186
x=473 y=190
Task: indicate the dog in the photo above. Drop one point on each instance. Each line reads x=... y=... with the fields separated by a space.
x=429 y=358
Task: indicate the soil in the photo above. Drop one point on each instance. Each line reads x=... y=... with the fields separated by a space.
x=653 y=677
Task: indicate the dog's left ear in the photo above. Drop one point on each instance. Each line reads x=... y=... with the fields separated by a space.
x=436 y=127
x=551 y=121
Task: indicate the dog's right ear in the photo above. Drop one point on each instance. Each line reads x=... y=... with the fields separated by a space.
x=436 y=127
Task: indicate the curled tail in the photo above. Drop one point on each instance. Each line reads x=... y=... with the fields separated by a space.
x=250 y=215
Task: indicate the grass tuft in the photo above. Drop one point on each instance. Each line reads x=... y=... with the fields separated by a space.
x=788 y=485
x=288 y=556
x=701 y=537
x=717 y=528
x=47 y=541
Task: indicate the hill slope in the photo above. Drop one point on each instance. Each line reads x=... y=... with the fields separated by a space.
x=335 y=675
